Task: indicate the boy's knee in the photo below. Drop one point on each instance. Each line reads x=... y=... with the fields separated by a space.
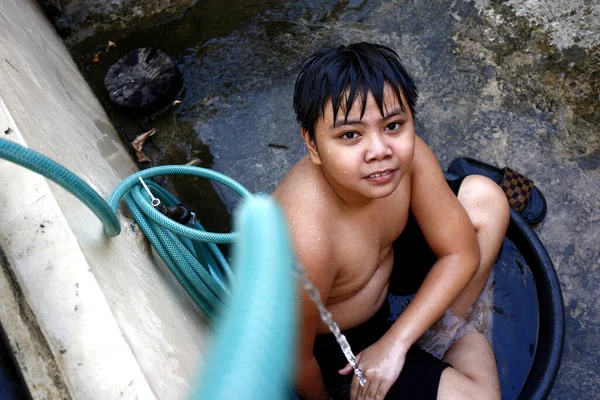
x=487 y=391
x=484 y=201
x=455 y=385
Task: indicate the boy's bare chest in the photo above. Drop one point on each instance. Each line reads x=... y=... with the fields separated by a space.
x=365 y=258
x=364 y=252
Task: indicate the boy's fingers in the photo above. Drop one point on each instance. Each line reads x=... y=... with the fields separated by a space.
x=346 y=370
x=354 y=389
x=363 y=391
x=380 y=392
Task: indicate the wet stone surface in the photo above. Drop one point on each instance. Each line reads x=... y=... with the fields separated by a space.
x=92 y=18
x=493 y=84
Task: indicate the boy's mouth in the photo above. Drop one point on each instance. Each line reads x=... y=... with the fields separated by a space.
x=381 y=175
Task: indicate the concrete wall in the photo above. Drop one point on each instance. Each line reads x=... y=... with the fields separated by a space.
x=87 y=316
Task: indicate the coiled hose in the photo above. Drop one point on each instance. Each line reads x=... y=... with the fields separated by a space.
x=252 y=354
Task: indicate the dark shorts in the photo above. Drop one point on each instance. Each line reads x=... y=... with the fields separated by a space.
x=421 y=374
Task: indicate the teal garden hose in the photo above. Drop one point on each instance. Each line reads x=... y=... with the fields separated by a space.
x=252 y=354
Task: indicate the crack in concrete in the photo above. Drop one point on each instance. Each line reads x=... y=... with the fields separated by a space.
x=41 y=346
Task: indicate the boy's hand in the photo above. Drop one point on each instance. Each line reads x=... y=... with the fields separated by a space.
x=381 y=364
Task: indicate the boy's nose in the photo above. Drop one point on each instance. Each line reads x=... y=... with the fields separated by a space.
x=378 y=149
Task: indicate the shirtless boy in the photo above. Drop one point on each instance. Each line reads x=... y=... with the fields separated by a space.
x=357 y=205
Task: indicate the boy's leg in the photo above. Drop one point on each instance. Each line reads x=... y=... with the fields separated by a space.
x=488 y=210
x=473 y=374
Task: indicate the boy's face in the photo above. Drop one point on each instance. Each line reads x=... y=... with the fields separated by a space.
x=364 y=158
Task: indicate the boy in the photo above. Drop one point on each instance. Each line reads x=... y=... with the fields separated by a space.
x=370 y=213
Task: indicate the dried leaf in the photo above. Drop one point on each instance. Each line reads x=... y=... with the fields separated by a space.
x=139 y=141
x=176 y=103
x=96 y=58
x=207 y=101
x=141 y=157
x=195 y=162
x=110 y=45
x=138 y=144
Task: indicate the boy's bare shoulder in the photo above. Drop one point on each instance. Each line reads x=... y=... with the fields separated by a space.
x=308 y=210
x=423 y=157
x=426 y=174
x=302 y=188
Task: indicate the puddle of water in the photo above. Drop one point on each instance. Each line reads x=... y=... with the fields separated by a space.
x=240 y=62
x=515 y=329
x=225 y=73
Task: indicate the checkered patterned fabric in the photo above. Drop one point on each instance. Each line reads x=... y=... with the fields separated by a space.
x=517 y=188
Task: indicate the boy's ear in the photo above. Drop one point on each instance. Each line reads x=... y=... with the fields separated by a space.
x=311 y=146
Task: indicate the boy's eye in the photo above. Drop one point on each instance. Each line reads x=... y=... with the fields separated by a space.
x=349 y=135
x=393 y=126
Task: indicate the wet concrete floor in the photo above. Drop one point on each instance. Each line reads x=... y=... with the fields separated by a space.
x=495 y=82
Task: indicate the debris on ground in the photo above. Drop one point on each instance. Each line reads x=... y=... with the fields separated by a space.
x=144 y=81
x=109 y=46
x=138 y=145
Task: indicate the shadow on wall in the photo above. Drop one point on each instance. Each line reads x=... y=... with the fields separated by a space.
x=11 y=384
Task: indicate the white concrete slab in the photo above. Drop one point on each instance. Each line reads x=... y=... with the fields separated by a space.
x=88 y=316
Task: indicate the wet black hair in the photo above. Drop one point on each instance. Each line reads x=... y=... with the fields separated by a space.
x=345 y=73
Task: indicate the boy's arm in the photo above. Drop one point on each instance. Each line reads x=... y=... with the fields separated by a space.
x=309 y=379
x=315 y=258
x=450 y=234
